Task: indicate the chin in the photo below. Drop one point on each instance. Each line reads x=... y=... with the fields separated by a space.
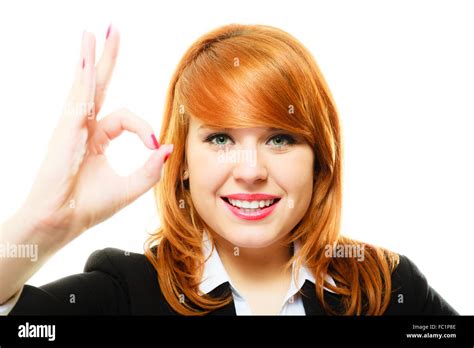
x=253 y=238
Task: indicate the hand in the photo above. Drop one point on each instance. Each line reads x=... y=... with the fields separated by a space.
x=76 y=188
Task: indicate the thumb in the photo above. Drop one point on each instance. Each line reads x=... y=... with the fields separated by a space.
x=149 y=174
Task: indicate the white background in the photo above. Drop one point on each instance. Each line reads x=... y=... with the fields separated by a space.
x=401 y=73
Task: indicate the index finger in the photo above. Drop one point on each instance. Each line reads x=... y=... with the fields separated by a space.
x=105 y=67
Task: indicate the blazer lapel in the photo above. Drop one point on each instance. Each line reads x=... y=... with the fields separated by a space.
x=223 y=290
x=311 y=303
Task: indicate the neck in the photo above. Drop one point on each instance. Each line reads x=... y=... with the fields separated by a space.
x=254 y=265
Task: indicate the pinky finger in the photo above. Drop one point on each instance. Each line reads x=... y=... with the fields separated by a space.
x=79 y=105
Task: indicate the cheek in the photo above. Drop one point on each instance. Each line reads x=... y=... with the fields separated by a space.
x=207 y=174
x=295 y=176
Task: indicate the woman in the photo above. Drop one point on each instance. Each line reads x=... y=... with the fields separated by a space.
x=250 y=199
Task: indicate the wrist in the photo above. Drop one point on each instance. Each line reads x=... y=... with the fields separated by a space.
x=25 y=229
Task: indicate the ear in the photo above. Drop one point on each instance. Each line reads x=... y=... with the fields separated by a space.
x=185 y=175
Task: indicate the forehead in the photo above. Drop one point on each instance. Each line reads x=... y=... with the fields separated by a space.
x=197 y=125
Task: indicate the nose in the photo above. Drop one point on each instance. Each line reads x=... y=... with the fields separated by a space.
x=249 y=168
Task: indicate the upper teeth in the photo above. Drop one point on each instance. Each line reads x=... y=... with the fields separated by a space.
x=251 y=204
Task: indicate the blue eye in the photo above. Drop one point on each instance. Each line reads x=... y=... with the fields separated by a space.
x=281 y=140
x=220 y=137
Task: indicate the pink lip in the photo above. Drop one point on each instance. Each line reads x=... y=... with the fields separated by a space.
x=251 y=196
x=259 y=214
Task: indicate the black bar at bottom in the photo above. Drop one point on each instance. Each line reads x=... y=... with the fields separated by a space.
x=411 y=330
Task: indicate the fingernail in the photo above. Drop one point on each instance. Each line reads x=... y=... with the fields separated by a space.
x=108 y=31
x=169 y=152
x=155 y=142
x=82 y=49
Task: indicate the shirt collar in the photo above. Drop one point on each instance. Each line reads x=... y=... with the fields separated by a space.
x=214 y=273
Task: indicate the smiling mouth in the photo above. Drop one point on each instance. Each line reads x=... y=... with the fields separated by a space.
x=251 y=206
x=251 y=210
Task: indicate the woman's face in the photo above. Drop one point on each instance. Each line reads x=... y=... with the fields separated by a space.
x=223 y=163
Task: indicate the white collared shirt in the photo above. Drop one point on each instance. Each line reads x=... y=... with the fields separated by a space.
x=214 y=274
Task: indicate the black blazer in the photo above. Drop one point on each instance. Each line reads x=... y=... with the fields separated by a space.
x=116 y=282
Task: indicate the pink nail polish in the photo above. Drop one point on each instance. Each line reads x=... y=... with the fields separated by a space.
x=155 y=142
x=108 y=31
x=83 y=63
x=169 y=153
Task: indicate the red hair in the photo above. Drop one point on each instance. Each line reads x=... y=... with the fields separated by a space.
x=249 y=76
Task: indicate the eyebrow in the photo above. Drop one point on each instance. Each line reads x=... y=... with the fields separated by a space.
x=205 y=126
